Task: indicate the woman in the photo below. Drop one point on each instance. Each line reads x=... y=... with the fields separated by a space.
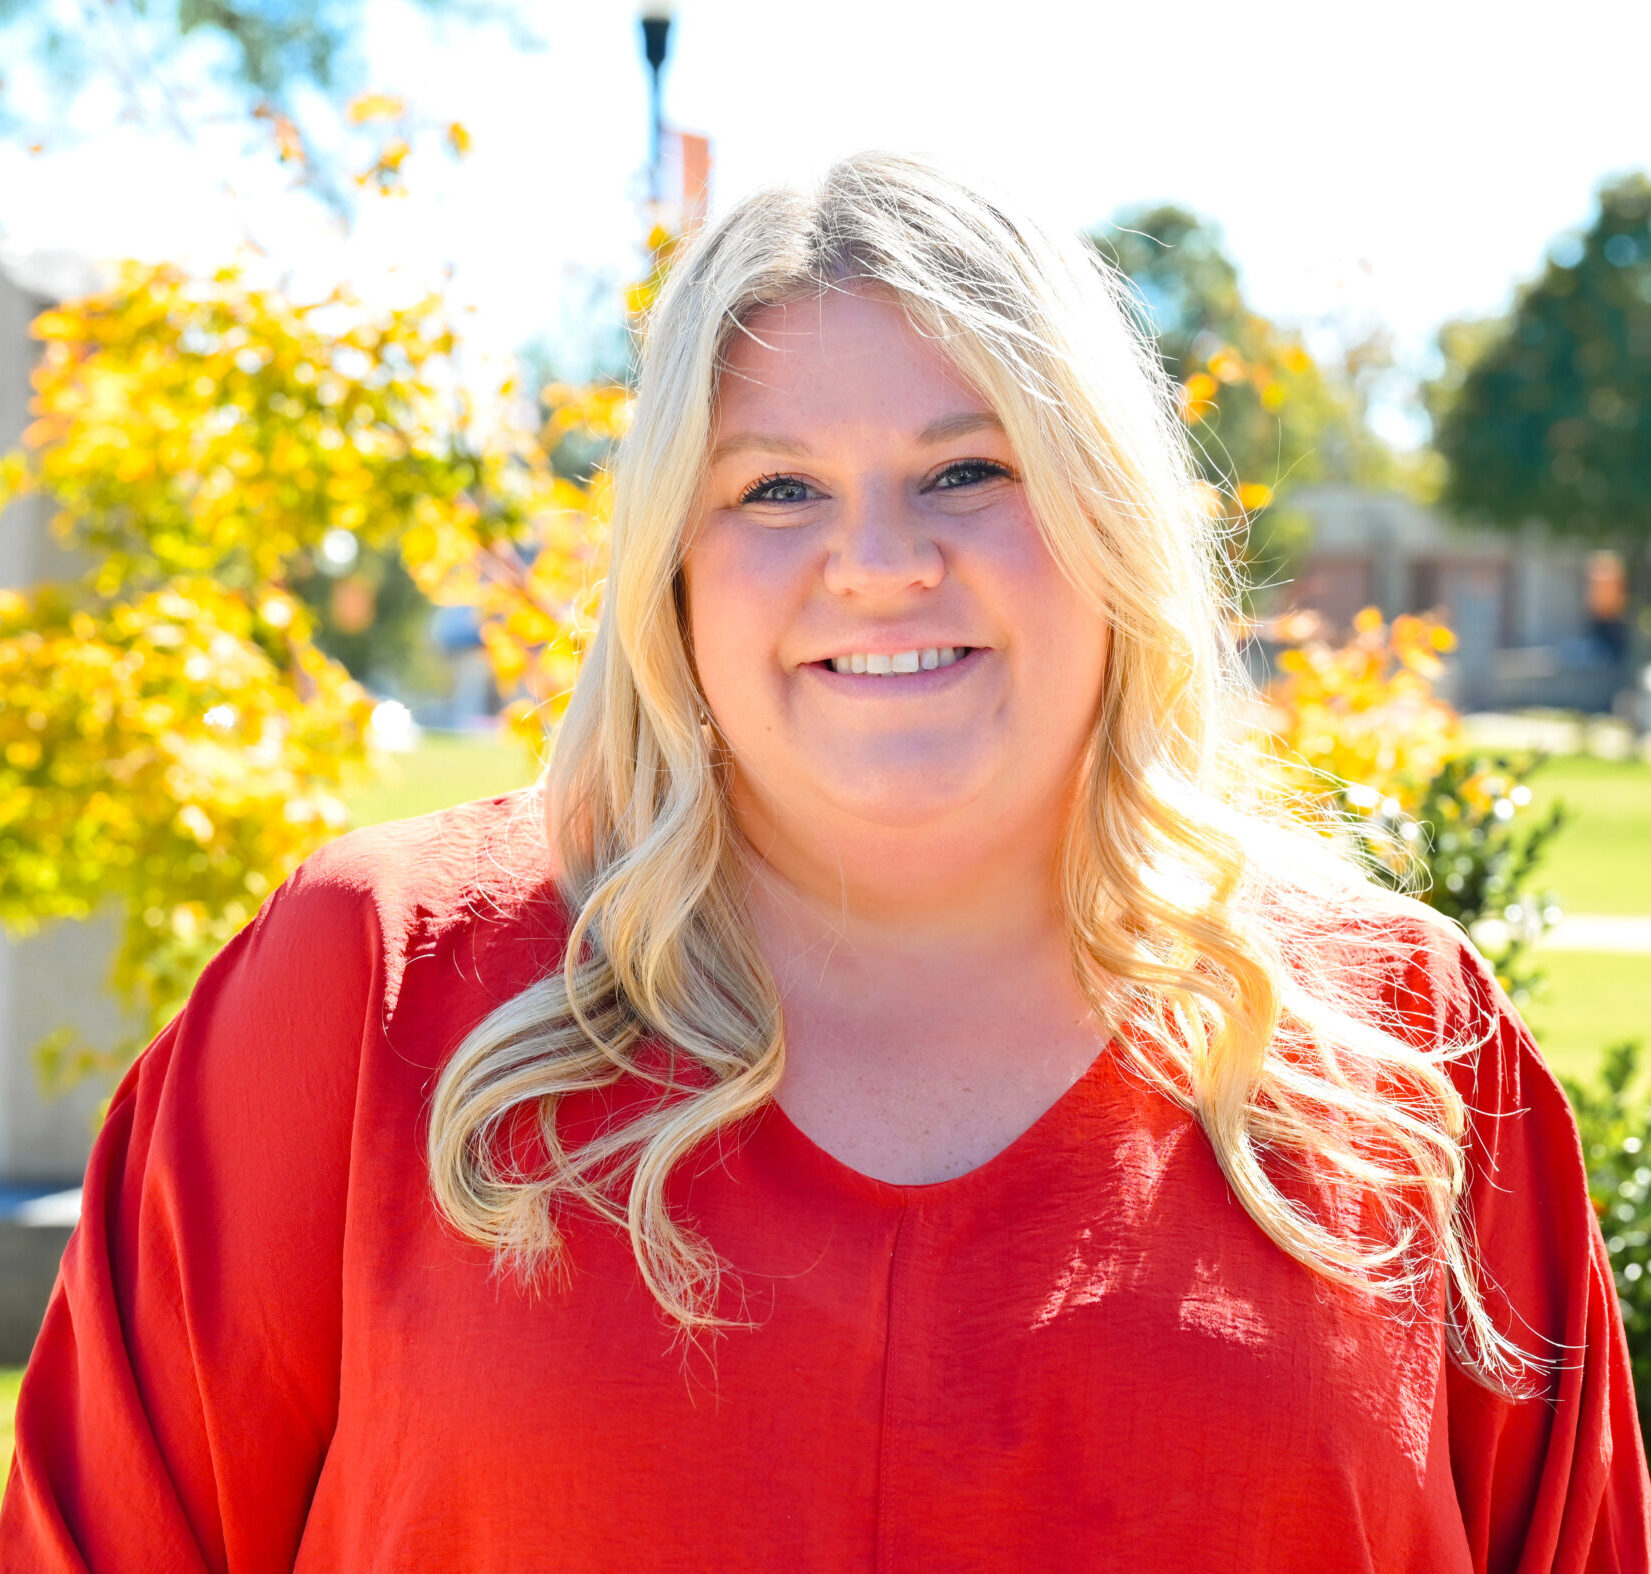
x=916 y=1109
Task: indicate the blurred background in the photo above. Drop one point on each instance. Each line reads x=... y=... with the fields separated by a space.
x=317 y=319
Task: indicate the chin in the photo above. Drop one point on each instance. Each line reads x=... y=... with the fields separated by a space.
x=910 y=792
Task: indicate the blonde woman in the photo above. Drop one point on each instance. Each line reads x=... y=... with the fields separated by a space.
x=897 y=1098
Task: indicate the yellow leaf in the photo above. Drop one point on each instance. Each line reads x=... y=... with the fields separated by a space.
x=375 y=106
x=289 y=141
x=1226 y=365
x=58 y=325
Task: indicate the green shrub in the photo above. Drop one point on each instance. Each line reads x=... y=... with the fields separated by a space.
x=1469 y=849
x=1482 y=850
x=1616 y=1145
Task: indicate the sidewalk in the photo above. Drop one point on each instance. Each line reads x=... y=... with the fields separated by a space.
x=1599 y=932
x=1556 y=732
x=34 y=1229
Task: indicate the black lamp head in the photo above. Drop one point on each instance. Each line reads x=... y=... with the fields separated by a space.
x=656 y=28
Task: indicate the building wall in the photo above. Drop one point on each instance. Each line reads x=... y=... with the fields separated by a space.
x=22 y=525
x=1516 y=602
x=53 y=979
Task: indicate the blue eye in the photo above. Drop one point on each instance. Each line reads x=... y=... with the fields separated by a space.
x=967 y=472
x=781 y=488
x=776 y=489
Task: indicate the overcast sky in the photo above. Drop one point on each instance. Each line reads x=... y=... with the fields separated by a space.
x=1406 y=163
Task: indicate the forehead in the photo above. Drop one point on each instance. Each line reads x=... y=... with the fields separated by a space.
x=846 y=355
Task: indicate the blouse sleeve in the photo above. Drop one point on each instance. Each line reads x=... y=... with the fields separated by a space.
x=1556 y=1481
x=181 y=1394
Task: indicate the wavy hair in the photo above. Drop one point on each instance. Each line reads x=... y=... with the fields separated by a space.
x=1194 y=907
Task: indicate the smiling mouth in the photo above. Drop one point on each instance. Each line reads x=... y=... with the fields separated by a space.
x=881 y=664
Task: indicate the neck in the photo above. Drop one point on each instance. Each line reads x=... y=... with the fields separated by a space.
x=905 y=894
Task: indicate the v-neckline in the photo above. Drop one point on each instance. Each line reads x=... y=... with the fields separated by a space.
x=804 y=1150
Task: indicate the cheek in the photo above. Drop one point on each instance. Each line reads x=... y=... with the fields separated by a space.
x=1077 y=643
x=1067 y=690
x=1062 y=643
x=1061 y=635
x=739 y=588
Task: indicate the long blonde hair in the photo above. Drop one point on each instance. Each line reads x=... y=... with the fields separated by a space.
x=1195 y=912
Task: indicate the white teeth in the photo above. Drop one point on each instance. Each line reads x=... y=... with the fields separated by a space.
x=900 y=661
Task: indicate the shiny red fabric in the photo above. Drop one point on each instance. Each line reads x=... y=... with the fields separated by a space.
x=266 y=1351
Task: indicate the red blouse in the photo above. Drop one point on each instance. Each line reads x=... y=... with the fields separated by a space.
x=266 y=1351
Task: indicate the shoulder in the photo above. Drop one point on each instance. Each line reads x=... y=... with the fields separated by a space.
x=317 y=975
x=226 y=1162
x=375 y=897
x=1440 y=994
x=433 y=865
x=1383 y=954
x=1403 y=967
x=1448 y=999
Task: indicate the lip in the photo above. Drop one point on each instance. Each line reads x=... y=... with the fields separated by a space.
x=893 y=685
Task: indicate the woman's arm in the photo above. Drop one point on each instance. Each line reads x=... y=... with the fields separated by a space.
x=179 y=1402
x=1556 y=1481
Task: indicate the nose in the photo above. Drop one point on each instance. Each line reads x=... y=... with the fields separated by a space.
x=881 y=546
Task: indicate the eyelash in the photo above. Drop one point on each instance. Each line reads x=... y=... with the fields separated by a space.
x=993 y=466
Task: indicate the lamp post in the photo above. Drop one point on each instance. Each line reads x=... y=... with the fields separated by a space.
x=656 y=33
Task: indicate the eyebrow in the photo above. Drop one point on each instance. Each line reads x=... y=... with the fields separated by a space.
x=946 y=427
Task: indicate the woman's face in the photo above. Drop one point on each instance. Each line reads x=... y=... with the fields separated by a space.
x=881 y=633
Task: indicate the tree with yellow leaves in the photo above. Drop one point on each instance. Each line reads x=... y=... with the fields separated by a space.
x=171 y=738
x=1260 y=411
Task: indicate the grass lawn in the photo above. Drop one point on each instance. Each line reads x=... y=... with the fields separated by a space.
x=445 y=769
x=1601 y=861
x=1590 y=1000
x=10 y=1377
